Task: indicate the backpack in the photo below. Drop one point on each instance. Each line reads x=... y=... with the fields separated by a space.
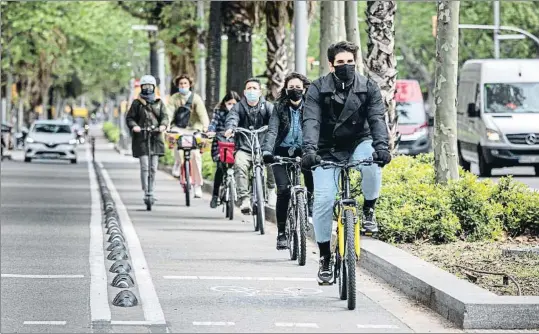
x=183 y=113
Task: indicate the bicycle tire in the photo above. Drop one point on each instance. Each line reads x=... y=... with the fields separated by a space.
x=187 y=183
x=341 y=274
x=148 y=205
x=292 y=239
x=230 y=201
x=253 y=205
x=301 y=224
x=260 y=209
x=350 y=258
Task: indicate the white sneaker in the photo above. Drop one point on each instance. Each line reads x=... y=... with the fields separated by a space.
x=176 y=170
x=198 y=191
x=272 y=197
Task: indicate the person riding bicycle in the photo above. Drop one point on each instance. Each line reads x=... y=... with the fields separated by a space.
x=343 y=119
x=217 y=124
x=147 y=111
x=253 y=110
x=284 y=138
x=188 y=113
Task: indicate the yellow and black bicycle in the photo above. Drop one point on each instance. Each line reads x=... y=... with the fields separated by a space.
x=348 y=216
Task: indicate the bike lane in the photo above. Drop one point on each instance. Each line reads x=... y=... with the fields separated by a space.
x=215 y=275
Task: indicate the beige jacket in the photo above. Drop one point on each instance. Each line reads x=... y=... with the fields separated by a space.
x=199 y=119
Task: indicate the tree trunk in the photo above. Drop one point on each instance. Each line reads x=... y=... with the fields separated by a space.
x=239 y=19
x=339 y=15
x=328 y=32
x=352 y=31
x=381 y=63
x=213 y=61
x=445 y=92
x=277 y=57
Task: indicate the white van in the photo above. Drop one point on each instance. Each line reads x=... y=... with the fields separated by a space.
x=498 y=114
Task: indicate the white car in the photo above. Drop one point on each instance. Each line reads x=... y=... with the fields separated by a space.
x=51 y=139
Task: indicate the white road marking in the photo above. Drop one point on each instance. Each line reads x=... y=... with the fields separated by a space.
x=242 y=278
x=99 y=303
x=56 y=323
x=297 y=324
x=40 y=276
x=213 y=323
x=378 y=326
x=148 y=296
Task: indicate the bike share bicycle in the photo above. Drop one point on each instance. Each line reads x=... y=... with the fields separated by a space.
x=347 y=248
x=258 y=185
x=186 y=143
x=149 y=133
x=227 y=193
x=296 y=222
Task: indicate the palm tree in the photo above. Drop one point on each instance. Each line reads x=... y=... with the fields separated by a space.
x=277 y=58
x=381 y=63
x=213 y=61
x=239 y=18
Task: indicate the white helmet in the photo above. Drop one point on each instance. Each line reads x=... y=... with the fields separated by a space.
x=148 y=80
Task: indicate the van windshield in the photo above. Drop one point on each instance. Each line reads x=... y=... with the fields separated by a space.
x=52 y=128
x=512 y=97
x=411 y=113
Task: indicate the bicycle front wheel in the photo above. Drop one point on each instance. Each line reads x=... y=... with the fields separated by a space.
x=260 y=209
x=230 y=200
x=350 y=258
x=187 y=183
x=301 y=225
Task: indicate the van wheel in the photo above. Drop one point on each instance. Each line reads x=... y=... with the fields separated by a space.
x=27 y=159
x=463 y=163
x=537 y=170
x=485 y=169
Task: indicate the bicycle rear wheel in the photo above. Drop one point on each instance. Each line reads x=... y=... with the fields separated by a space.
x=350 y=258
x=260 y=209
x=187 y=183
x=301 y=225
x=230 y=200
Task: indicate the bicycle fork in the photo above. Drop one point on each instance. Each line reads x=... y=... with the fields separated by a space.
x=348 y=205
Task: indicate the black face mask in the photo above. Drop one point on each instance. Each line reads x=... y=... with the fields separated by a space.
x=147 y=91
x=345 y=72
x=294 y=94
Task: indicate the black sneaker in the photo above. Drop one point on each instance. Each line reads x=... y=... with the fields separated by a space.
x=213 y=203
x=369 y=222
x=282 y=241
x=325 y=271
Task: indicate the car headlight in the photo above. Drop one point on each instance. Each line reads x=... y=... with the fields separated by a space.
x=29 y=140
x=72 y=141
x=493 y=135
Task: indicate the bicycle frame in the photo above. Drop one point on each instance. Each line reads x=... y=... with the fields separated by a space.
x=256 y=152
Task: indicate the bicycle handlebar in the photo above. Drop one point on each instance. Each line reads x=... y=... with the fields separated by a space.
x=150 y=129
x=284 y=160
x=244 y=130
x=344 y=164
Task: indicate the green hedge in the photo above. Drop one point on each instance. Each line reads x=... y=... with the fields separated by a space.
x=112 y=132
x=412 y=207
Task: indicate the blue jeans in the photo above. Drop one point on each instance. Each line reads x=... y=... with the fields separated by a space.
x=325 y=189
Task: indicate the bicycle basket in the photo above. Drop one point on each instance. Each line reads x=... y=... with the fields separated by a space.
x=226 y=152
x=187 y=142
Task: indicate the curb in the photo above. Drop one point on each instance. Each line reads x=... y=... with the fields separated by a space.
x=461 y=302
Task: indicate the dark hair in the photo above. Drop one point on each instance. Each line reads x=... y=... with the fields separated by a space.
x=344 y=46
x=183 y=76
x=229 y=96
x=253 y=80
x=293 y=75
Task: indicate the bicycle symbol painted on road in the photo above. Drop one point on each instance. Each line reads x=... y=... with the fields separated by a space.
x=291 y=292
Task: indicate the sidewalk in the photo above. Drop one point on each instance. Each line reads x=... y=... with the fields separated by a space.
x=230 y=275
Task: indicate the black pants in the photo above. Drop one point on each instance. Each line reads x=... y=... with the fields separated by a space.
x=283 y=192
x=218 y=178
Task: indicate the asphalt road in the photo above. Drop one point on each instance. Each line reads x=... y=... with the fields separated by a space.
x=194 y=270
x=525 y=175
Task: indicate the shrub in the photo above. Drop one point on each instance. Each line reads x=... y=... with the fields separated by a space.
x=520 y=207
x=208 y=166
x=111 y=131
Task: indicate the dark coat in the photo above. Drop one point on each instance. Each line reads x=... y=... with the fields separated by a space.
x=279 y=126
x=240 y=116
x=336 y=138
x=138 y=116
x=217 y=124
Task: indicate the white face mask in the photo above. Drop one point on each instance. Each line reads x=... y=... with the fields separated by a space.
x=229 y=106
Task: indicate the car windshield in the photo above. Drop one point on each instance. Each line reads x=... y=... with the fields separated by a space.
x=411 y=113
x=52 y=128
x=512 y=97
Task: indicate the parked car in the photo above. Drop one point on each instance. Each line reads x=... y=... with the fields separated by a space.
x=51 y=139
x=498 y=114
x=414 y=123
